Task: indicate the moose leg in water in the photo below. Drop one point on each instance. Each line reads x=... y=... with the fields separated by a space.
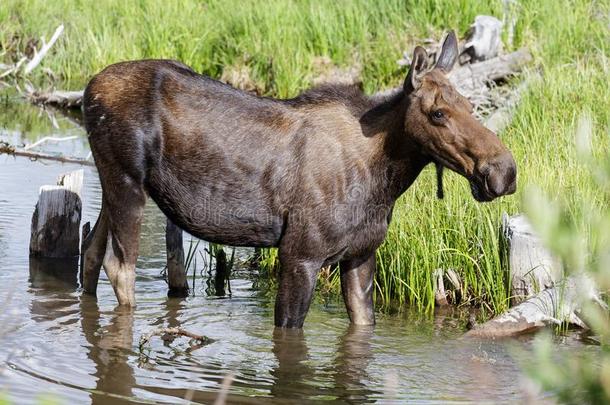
x=297 y=284
x=357 y=281
x=94 y=250
x=123 y=239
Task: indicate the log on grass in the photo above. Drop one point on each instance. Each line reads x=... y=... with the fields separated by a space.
x=552 y=306
x=176 y=271
x=55 y=231
x=471 y=79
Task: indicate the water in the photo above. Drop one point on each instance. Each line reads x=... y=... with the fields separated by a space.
x=56 y=342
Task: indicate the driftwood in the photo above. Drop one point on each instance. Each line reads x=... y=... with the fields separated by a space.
x=470 y=78
x=176 y=271
x=36 y=59
x=553 y=306
x=56 y=220
x=532 y=267
x=38 y=55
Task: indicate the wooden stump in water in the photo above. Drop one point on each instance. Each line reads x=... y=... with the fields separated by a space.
x=532 y=267
x=176 y=271
x=56 y=221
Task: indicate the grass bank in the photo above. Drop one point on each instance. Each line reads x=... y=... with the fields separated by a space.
x=276 y=44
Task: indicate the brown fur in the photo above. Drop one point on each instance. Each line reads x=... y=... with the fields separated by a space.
x=316 y=176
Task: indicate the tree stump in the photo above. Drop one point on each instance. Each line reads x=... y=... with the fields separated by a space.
x=532 y=267
x=176 y=271
x=55 y=231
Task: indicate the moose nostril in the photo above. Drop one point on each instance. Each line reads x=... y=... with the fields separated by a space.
x=501 y=176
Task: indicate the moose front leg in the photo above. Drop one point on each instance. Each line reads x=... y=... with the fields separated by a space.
x=297 y=284
x=357 y=282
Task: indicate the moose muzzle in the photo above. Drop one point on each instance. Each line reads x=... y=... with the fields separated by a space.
x=497 y=177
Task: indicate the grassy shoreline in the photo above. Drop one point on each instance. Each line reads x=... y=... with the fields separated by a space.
x=277 y=42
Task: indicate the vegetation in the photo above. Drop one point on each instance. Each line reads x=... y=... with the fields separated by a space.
x=275 y=45
x=584 y=246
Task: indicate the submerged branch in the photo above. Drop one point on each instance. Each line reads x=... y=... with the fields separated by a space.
x=199 y=340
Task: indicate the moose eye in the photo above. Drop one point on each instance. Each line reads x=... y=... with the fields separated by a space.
x=438 y=115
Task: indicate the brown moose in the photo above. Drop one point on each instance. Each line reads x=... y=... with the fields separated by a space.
x=316 y=176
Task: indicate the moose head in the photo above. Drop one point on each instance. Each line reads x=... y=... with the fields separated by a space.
x=441 y=122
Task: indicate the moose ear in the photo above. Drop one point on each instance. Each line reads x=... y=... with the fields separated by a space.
x=418 y=66
x=449 y=53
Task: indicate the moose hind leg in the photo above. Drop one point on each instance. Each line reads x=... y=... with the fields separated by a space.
x=94 y=251
x=357 y=285
x=123 y=244
x=297 y=284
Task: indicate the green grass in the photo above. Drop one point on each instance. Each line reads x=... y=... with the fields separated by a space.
x=278 y=42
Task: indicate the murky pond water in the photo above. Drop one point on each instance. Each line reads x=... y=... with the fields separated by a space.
x=56 y=341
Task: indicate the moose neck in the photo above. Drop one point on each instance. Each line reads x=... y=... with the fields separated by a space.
x=398 y=159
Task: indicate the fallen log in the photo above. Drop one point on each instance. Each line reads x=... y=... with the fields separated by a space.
x=470 y=78
x=55 y=231
x=552 y=306
x=58 y=98
x=39 y=55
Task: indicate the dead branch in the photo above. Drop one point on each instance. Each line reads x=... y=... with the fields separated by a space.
x=199 y=340
x=39 y=55
x=49 y=139
x=11 y=150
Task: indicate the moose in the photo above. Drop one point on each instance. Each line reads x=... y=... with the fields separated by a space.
x=316 y=176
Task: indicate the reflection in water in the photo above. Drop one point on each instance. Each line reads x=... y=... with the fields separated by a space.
x=295 y=376
x=110 y=347
x=49 y=274
x=53 y=282
x=353 y=357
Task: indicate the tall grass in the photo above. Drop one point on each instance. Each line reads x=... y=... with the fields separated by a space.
x=278 y=42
